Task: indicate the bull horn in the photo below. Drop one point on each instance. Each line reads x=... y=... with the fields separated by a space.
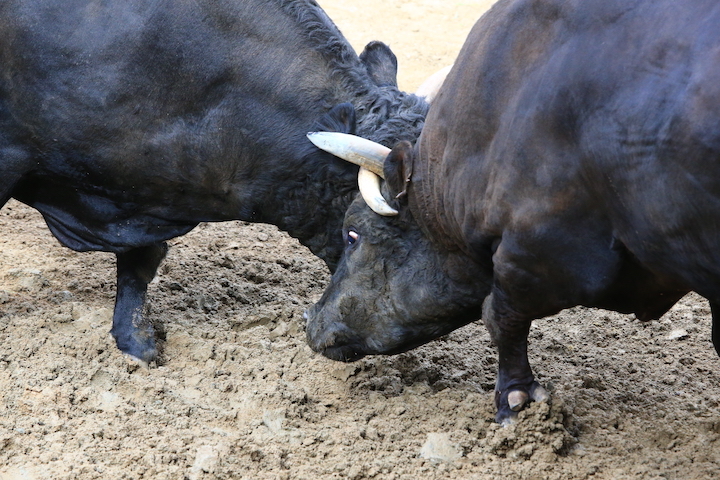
x=369 y=185
x=365 y=153
x=431 y=86
x=354 y=149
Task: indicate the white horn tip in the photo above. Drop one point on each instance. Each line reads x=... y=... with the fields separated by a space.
x=369 y=184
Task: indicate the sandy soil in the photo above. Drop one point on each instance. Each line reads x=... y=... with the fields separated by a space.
x=239 y=395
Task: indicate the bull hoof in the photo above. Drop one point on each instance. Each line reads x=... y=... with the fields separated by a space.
x=510 y=402
x=143 y=350
x=133 y=363
x=517 y=399
x=145 y=356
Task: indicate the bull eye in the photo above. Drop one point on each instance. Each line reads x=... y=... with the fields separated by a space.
x=352 y=237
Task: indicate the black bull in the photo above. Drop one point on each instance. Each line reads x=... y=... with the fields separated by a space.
x=128 y=122
x=572 y=157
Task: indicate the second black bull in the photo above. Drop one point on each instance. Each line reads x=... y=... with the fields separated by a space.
x=572 y=157
x=128 y=122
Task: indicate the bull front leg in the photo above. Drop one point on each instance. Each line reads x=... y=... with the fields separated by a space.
x=515 y=385
x=133 y=332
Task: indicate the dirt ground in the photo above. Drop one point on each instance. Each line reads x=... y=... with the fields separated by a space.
x=239 y=395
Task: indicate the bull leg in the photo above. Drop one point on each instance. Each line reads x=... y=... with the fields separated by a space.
x=133 y=332
x=515 y=384
x=715 y=309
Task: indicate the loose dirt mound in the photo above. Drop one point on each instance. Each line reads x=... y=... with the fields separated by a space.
x=238 y=394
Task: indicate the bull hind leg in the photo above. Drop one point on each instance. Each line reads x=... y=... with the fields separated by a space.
x=133 y=332
x=516 y=385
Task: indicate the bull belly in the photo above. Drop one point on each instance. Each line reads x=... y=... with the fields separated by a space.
x=639 y=291
x=116 y=236
x=91 y=222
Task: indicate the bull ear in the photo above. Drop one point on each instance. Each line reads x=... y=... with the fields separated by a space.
x=381 y=63
x=340 y=118
x=398 y=169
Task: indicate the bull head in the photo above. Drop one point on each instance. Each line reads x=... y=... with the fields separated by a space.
x=370 y=156
x=365 y=153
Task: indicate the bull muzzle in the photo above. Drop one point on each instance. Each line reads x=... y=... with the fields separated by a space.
x=332 y=340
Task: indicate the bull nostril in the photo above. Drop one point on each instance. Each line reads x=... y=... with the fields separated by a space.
x=322 y=337
x=327 y=339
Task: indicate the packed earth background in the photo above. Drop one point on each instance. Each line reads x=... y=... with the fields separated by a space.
x=239 y=395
